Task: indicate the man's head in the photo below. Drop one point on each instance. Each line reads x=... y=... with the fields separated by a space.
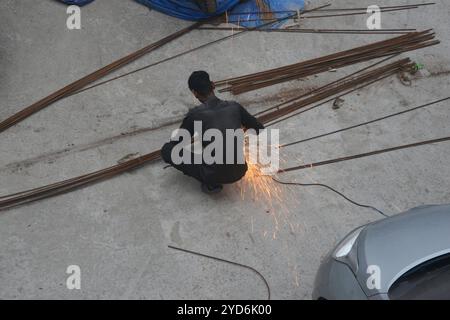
x=200 y=85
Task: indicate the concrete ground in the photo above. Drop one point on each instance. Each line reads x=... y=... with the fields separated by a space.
x=118 y=231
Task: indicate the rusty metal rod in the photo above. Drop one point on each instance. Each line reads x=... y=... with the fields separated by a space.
x=434 y=103
x=320 y=31
x=74 y=86
x=335 y=15
x=262 y=26
x=81 y=84
x=331 y=9
x=177 y=56
x=363 y=155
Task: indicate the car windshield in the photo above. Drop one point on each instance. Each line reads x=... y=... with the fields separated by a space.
x=428 y=281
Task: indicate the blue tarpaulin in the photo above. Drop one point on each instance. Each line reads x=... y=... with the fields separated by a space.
x=189 y=10
x=77 y=2
x=274 y=5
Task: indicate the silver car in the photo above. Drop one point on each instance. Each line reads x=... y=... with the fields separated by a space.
x=404 y=257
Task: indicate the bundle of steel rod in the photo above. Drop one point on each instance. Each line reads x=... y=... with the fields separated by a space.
x=81 y=83
x=328 y=85
x=319 y=94
x=335 y=88
x=70 y=184
x=404 y=43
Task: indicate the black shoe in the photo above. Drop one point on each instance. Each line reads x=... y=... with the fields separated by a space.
x=211 y=189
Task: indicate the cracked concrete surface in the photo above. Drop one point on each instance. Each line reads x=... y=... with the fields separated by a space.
x=117 y=231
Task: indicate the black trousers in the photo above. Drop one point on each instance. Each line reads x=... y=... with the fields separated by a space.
x=209 y=174
x=195 y=171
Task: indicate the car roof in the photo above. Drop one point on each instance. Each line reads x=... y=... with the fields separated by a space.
x=397 y=244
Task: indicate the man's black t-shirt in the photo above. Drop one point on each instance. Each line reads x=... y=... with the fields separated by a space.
x=221 y=115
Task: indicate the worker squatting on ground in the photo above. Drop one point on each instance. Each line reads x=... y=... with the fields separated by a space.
x=216 y=114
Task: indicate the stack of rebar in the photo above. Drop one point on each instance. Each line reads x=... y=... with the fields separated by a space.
x=70 y=184
x=364 y=76
x=404 y=43
x=334 y=88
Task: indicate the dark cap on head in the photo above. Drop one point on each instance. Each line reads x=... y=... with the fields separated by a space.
x=199 y=82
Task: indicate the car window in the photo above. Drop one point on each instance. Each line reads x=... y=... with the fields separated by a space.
x=429 y=280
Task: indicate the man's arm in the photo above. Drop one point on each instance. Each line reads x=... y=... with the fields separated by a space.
x=166 y=151
x=188 y=124
x=249 y=121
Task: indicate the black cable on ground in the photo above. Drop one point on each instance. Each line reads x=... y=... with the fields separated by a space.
x=334 y=190
x=227 y=261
